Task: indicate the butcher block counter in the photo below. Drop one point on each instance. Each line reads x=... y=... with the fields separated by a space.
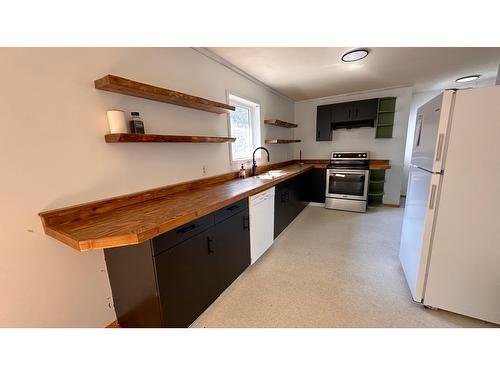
x=375 y=164
x=137 y=217
x=134 y=218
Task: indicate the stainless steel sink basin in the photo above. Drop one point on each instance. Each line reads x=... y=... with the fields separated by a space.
x=269 y=175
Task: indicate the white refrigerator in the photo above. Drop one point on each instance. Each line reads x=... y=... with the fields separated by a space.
x=450 y=240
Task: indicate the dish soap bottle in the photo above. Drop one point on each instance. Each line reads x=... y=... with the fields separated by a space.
x=136 y=123
x=243 y=173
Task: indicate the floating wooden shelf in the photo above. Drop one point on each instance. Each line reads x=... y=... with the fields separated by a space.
x=142 y=90
x=276 y=141
x=157 y=138
x=283 y=124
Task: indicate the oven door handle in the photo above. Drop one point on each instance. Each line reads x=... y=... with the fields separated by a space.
x=350 y=171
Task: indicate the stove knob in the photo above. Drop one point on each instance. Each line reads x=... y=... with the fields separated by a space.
x=359 y=155
x=364 y=155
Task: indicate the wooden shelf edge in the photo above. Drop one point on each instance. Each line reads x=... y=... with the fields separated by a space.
x=283 y=124
x=281 y=141
x=128 y=87
x=160 y=138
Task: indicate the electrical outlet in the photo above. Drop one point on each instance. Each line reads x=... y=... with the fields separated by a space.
x=204 y=170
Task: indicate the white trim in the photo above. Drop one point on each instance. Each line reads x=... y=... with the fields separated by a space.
x=355 y=93
x=213 y=56
x=255 y=129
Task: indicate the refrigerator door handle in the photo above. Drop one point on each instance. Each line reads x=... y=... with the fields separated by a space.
x=439 y=147
x=419 y=125
x=433 y=197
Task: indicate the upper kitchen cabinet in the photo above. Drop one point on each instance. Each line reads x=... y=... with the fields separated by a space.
x=365 y=110
x=342 y=112
x=354 y=114
x=324 y=123
x=346 y=115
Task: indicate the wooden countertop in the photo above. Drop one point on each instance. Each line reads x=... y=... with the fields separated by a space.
x=322 y=163
x=135 y=218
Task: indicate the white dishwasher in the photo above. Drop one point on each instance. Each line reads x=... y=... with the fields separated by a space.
x=261 y=223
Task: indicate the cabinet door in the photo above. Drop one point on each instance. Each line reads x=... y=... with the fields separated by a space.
x=343 y=112
x=298 y=198
x=365 y=110
x=280 y=208
x=294 y=198
x=187 y=279
x=317 y=185
x=324 y=123
x=232 y=248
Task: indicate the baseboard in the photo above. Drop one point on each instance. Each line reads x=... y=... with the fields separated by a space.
x=114 y=324
x=316 y=204
x=392 y=205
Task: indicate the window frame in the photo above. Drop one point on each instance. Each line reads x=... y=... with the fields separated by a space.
x=254 y=117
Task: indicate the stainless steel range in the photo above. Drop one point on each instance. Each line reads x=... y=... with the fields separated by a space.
x=347 y=178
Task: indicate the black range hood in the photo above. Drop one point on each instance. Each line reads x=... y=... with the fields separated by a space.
x=353 y=124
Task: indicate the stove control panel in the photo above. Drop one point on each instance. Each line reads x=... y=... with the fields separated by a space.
x=360 y=155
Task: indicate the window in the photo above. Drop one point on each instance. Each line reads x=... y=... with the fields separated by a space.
x=244 y=125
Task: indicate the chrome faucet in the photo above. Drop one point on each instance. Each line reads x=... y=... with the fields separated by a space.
x=254 y=165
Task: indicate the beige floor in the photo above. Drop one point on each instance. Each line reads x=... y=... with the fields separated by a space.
x=329 y=269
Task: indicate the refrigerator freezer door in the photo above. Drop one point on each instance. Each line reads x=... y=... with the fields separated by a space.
x=464 y=271
x=418 y=221
x=431 y=132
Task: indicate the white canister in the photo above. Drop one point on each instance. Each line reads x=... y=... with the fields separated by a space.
x=116 y=121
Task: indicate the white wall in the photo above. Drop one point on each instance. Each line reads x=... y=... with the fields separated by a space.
x=362 y=139
x=52 y=154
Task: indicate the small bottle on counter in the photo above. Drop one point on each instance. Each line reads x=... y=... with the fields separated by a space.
x=243 y=173
x=136 y=123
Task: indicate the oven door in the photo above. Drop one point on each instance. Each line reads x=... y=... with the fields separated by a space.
x=347 y=183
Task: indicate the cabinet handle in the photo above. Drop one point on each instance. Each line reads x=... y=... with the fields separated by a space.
x=439 y=147
x=433 y=197
x=187 y=229
x=209 y=246
x=287 y=194
x=246 y=222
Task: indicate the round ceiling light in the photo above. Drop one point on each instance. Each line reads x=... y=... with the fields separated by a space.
x=355 y=55
x=468 y=78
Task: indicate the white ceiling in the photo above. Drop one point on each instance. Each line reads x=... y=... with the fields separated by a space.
x=307 y=73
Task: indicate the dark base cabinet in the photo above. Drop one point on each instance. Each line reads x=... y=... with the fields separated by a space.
x=291 y=197
x=170 y=280
x=317 y=185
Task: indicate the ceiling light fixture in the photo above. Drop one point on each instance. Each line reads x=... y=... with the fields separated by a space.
x=355 y=55
x=468 y=78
